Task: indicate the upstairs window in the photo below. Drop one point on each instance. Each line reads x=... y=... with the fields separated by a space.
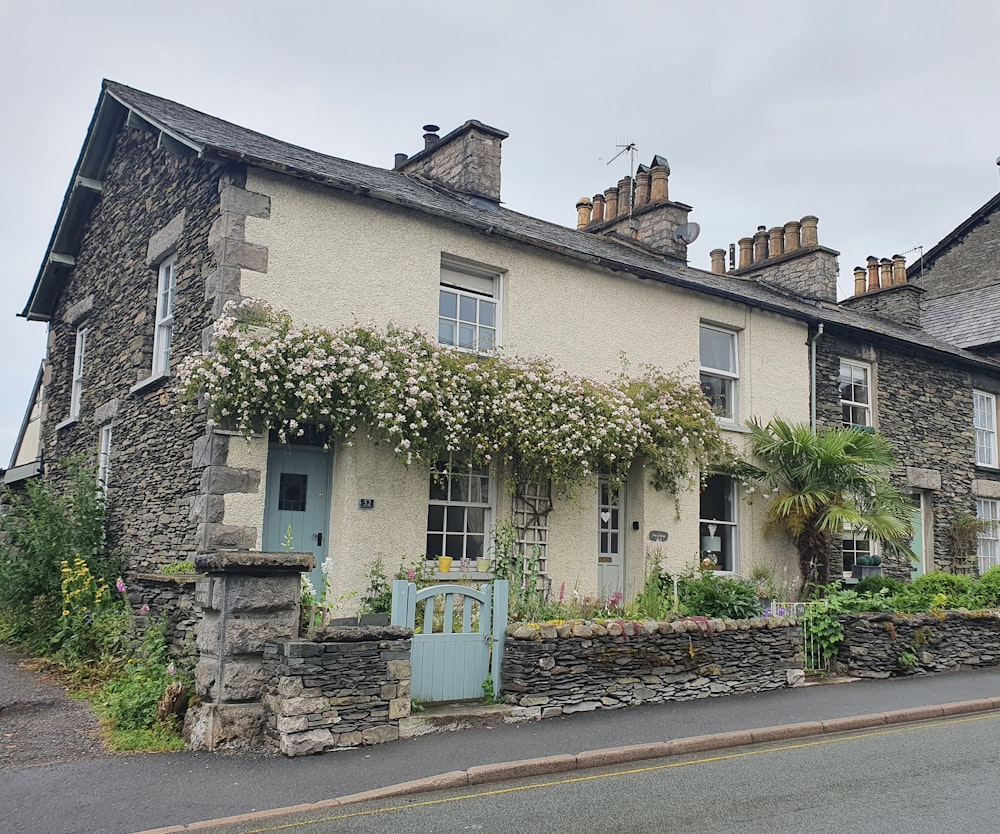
x=984 y=420
x=78 y=366
x=166 y=288
x=719 y=370
x=855 y=393
x=468 y=309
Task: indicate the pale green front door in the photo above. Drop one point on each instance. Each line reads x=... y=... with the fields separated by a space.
x=611 y=539
x=297 y=503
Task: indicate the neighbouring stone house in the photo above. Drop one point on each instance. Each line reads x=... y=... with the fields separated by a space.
x=171 y=213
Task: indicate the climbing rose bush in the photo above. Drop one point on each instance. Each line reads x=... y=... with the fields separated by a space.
x=398 y=386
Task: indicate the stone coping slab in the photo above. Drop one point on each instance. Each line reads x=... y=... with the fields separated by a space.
x=254 y=561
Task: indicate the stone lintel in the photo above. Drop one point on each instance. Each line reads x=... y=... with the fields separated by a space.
x=983 y=488
x=79 y=310
x=918 y=478
x=165 y=240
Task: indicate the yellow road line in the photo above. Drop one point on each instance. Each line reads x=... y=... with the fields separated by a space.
x=908 y=728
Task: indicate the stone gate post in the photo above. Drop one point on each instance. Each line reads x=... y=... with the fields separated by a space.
x=248 y=598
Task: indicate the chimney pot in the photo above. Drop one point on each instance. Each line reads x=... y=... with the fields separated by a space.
x=598 y=208
x=885 y=272
x=642 y=188
x=775 y=241
x=399 y=160
x=872 y=273
x=583 y=210
x=810 y=234
x=746 y=251
x=898 y=270
x=718 y=257
x=859 y=280
x=624 y=195
x=431 y=137
x=659 y=176
x=792 y=228
x=611 y=203
x=760 y=245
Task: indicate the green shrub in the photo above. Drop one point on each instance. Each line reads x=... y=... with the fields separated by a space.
x=874 y=584
x=709 y=595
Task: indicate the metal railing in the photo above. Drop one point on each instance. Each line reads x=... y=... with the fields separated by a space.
x=813 y=654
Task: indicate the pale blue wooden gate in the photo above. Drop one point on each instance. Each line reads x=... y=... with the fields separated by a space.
x=451 y=665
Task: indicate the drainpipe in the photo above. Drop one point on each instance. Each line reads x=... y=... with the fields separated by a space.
x=812 y=376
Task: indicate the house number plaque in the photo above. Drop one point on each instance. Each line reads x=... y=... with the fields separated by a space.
x=366 y=503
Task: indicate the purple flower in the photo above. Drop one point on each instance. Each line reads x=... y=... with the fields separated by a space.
x=144 y=609
x=120 y=585
x=411 y=574
x=170 y=669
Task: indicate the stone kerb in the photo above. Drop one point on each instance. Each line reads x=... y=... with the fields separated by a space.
x=585 y=666
x=247 y=600
x=346 y=687
x=890 y=645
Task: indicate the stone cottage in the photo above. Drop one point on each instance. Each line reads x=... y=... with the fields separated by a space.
x=172 y=213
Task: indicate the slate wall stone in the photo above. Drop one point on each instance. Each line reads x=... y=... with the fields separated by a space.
x=894 y=645
x=923 y=405
x=170 y=596
x=345 y=687
x=581 y=667
x=150 y=197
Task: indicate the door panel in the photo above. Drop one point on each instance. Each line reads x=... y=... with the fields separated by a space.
x=297 y=503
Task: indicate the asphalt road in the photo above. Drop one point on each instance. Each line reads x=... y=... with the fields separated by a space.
x=933 y=776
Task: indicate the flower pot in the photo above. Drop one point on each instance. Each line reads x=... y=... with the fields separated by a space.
x=483 y=565
x=444 y=564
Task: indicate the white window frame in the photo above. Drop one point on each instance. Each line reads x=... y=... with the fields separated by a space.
x=104 y=457
x=729 y=377
x=988 y=548
x=865 y=407
x=166 y=290
x=478 y=288
x=76 y=393
x=442 y=477
x=984 y=421
x=863 y=546
x=731 y=525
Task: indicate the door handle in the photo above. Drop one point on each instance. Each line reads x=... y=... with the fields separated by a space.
x=319 y=539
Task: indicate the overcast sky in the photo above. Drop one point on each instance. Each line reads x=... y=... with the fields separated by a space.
x=880 y=117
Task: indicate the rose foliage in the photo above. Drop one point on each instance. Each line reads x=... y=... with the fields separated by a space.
x=398 y=386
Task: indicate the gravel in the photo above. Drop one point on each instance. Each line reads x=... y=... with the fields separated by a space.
x=39 y=723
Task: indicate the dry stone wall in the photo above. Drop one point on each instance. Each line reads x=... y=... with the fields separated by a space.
x=580 y=667
x=153 y=596
x=890 y=645
x=346 y=687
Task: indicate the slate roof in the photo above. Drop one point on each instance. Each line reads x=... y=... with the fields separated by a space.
x=213 y=137
x=967 y=319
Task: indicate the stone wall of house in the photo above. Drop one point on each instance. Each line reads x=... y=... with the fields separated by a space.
x=968 y=265
x=153 y=204
x=923 y=405
x=346 y=687
x=889 y=645
x=156 y=595
x=580 y=667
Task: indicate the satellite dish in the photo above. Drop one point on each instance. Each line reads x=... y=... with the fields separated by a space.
x=687 y=233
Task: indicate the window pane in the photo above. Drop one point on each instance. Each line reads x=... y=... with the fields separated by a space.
x=459 y=488
x=435 y=517
x=717 y=499
x=718 y=392
x=435 y=545
x=467 y=336
x=467 y=308
x=292 y=492
x=474 y=547
x=453 y=546
x=456 y=520
x=718 y=350
x=475 y=520
x=487 y=339
x=487 y=313
x=448 y=305
x=446 y=332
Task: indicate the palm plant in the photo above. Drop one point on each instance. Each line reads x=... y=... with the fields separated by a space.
x=821 y=483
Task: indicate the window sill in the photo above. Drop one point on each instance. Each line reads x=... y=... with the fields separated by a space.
x=732 y=425
x=69 y=421
x=148 y=382
x=982 y=467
